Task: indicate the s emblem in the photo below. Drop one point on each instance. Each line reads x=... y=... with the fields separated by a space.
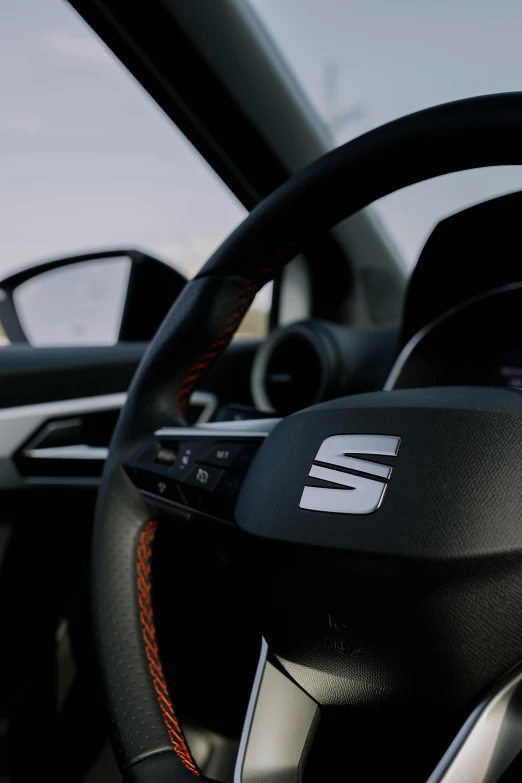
x=361 y=494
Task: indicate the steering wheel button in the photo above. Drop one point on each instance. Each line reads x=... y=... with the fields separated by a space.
x=221 y=454
x=154 y=483
x=185 y=461
x=203 y=477
x=166 y=455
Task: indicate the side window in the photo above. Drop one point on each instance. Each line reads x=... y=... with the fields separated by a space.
x=89 y=163
x=81 y=304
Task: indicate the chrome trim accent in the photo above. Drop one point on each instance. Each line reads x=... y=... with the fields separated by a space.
x=250 y=712
x=195 y=432
x=366 y=494
x=412 y=343
x=489 y=740
x=333 y=451
x=250 y=428
x=80 y=452
x=362 y=496
x=278 y=722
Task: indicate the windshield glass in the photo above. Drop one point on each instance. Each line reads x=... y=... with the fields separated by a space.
x=366 y=62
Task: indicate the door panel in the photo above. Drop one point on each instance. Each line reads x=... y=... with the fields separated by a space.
x=54 y=402
x=58 y=407
x=31 y=376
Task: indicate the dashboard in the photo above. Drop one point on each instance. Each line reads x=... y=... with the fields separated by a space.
x=476 y=343
x=460 y=326
x=311 y=361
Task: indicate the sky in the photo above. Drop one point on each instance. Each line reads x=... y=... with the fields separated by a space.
x=88 y=161
x=394 y=57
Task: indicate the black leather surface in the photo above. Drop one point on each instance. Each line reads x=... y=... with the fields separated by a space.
x=30 y=375
x=160 y=768
x=137 y=722
x=427 y=590
x=465 y=134
x=477 y=132
x=456 y=485
x=428 y=637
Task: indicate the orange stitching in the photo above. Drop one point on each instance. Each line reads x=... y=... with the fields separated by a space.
x=148 y=632
x=225 y=335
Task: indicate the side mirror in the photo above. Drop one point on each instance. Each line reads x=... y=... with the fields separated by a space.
x=98 y=298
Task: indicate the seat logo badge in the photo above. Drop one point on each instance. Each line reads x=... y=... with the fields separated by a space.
x=361 y=494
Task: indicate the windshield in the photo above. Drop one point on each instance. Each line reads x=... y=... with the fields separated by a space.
x=365 y=62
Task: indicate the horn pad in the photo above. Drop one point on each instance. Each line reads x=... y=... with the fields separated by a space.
x=454 y=490
x=412 y=594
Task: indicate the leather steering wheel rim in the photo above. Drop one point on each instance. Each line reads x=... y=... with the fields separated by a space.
x=477 y=132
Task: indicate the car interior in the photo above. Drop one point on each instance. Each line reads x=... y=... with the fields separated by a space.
x=276 y=546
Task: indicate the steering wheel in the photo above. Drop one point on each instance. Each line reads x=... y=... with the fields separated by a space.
x=381 y=533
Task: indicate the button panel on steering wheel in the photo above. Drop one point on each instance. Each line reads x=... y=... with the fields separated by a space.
x=201 y=469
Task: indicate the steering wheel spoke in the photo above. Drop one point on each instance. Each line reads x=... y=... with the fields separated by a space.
x=197 y=469
x=279 y=727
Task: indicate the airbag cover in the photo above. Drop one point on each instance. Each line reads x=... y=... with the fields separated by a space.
x=454 y=490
